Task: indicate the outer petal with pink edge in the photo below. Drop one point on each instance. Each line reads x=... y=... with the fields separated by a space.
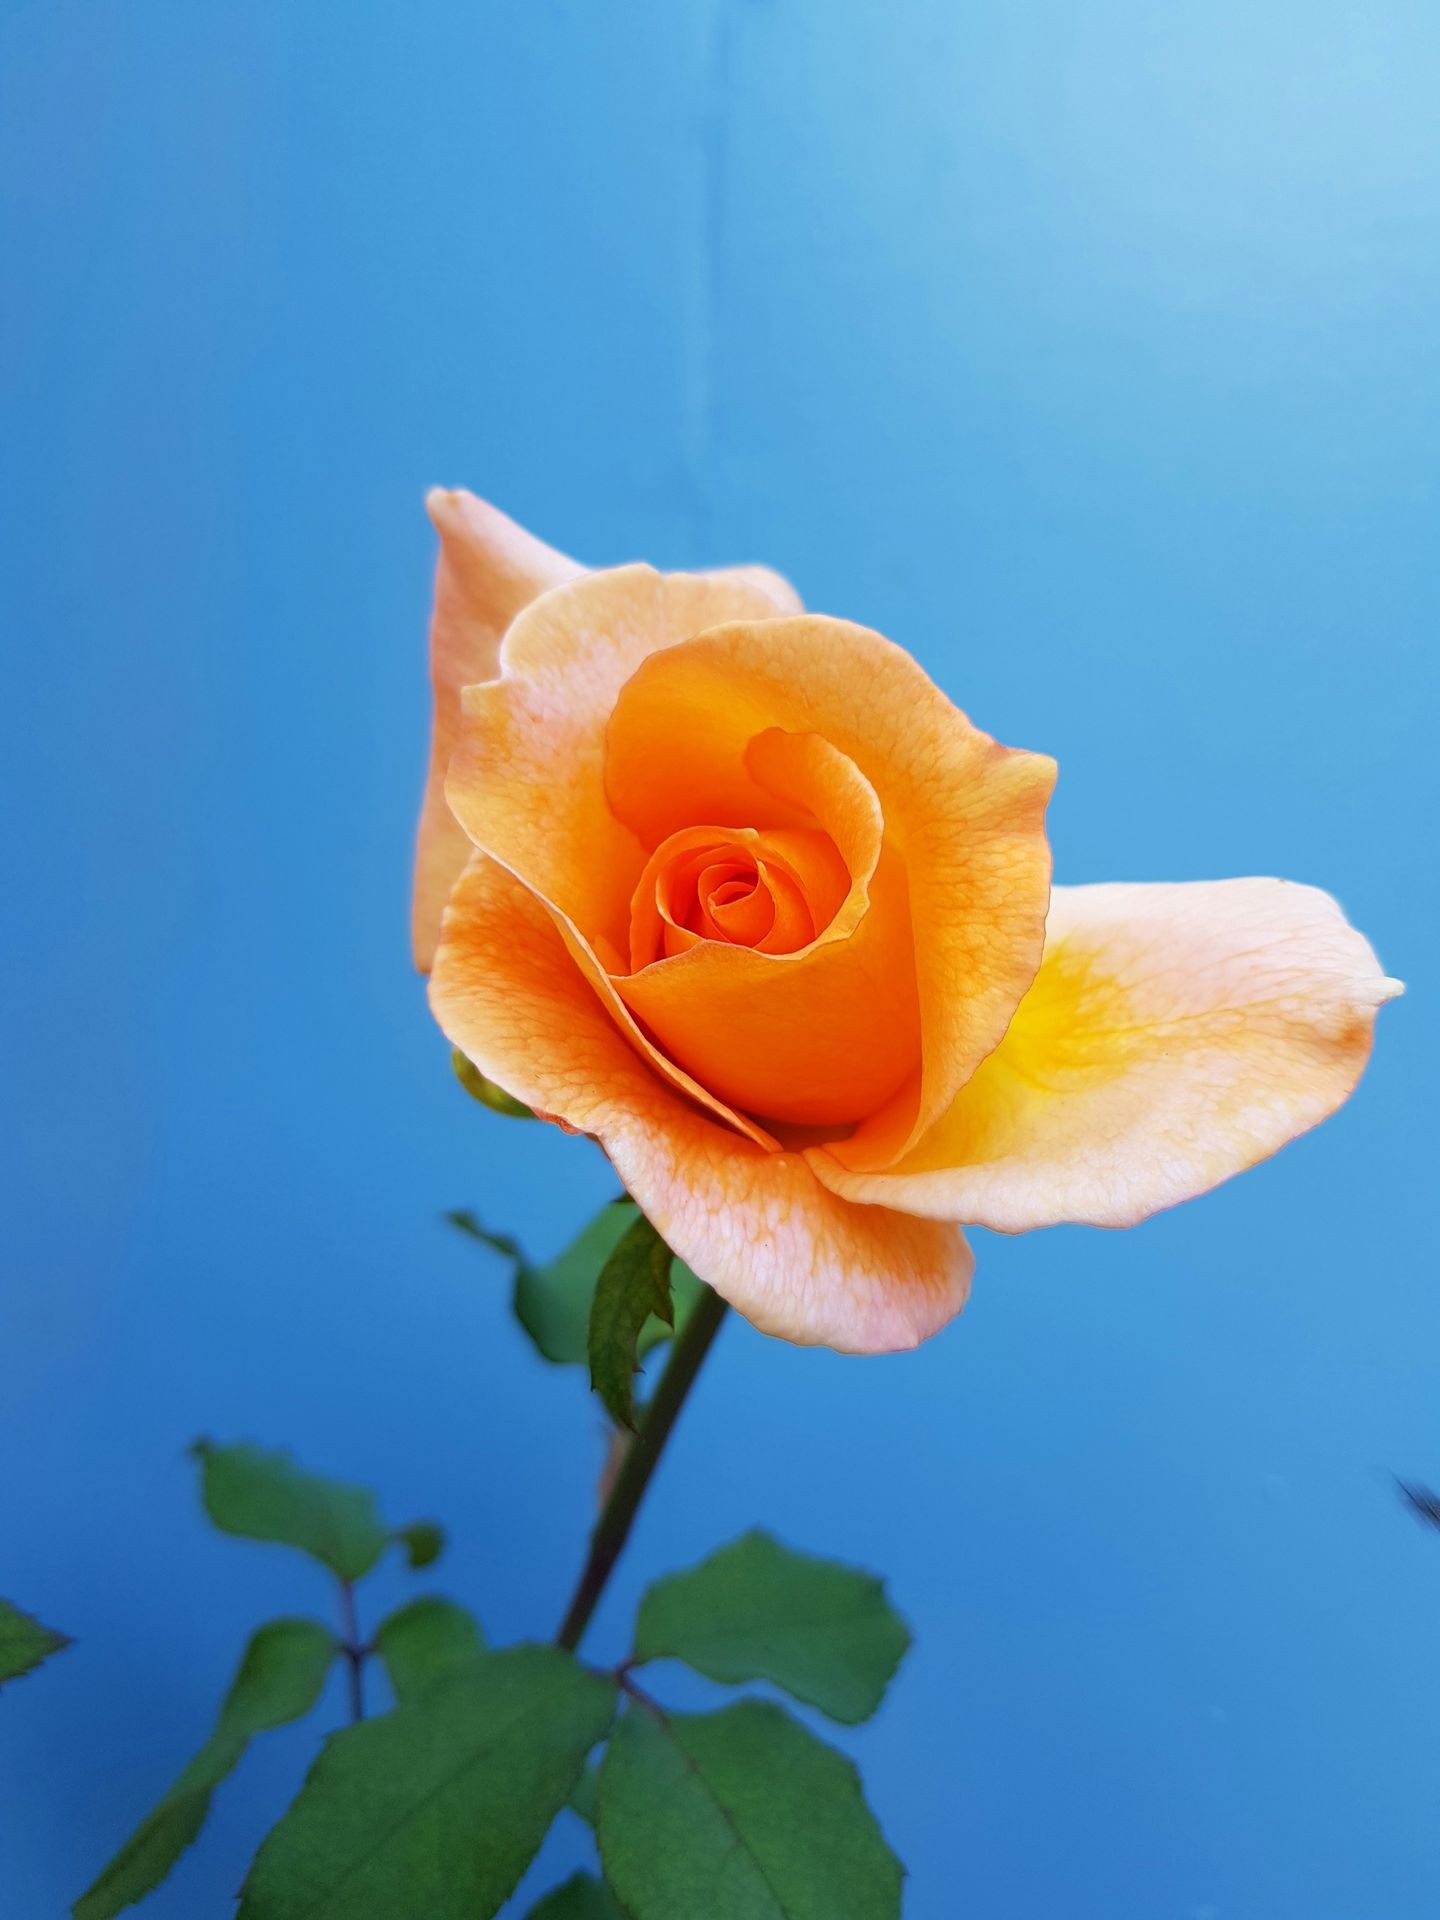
x=795 y=1259
x=489 y=568
x=1174 y=1036
x=489 y=571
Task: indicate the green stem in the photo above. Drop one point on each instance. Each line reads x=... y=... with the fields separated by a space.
x=641 y=1459
x=353 y=1651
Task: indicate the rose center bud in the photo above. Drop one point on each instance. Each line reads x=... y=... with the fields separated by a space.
x=773 y=890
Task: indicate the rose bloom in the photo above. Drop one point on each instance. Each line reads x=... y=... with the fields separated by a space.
x=737 y=890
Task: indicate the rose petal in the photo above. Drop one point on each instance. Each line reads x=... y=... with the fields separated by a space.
x=598 y=975
x=822 y=1035
x=1174 y=1036
x=770 y=891
x=964 y=815
x=487 y=571
x=757 y=1226
x=527 y=780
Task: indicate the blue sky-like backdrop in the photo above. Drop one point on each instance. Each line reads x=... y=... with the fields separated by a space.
x=1090 y=352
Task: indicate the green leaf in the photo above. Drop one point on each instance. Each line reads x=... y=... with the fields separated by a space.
x=280 y=1679
x=552 y=1302
x=634 y=1283
x=264 y=1495
x=685 y=1289
x=582 y=1897
x=24 y=1643
x=739 y=1815
x=582 y=1800
x=486 y=1091
x=423 y=1541
x=468 y=1223
x=424 y=1640
x=757 y=1610
x=436 y=1809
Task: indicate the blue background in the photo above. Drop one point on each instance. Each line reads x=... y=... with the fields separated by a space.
x=1088 y=351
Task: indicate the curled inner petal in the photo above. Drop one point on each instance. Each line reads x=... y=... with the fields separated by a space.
x=816 y=1031
x=715 y=728
x=563 y=662
x=771 y=892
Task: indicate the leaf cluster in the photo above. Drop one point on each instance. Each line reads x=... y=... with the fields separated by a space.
x=434 y=1809
x=263 y=1494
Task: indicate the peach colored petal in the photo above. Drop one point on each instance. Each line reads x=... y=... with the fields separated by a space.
x=821 y=1035
x=598 y=974
x=770 y=891
x=488 y=569
x=526 y=779
x=798 y=1261
x=1174 y=1036
x=963 y=816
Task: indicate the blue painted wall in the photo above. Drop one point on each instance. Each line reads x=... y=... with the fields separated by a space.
x=1090 y=352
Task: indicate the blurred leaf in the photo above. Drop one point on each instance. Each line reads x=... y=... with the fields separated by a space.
x=263 y=1495
x=582 y=1897
x=1424 y=1504
x=468 y=1223
x=747 y=1805
x=634 y=1283
x=424 y=1640
x=423 y=1541
x=486 y=1091
x=437 y=1809
x=552 y=1302
x=24 y=1643
x=757 y=1610
x=582 y=1800
x=280 y=1679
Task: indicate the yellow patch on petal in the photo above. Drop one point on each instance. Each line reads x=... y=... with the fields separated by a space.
x=756 y=1225
x=1175 y=1035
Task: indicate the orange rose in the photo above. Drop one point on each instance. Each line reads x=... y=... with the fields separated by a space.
x=737 y=890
